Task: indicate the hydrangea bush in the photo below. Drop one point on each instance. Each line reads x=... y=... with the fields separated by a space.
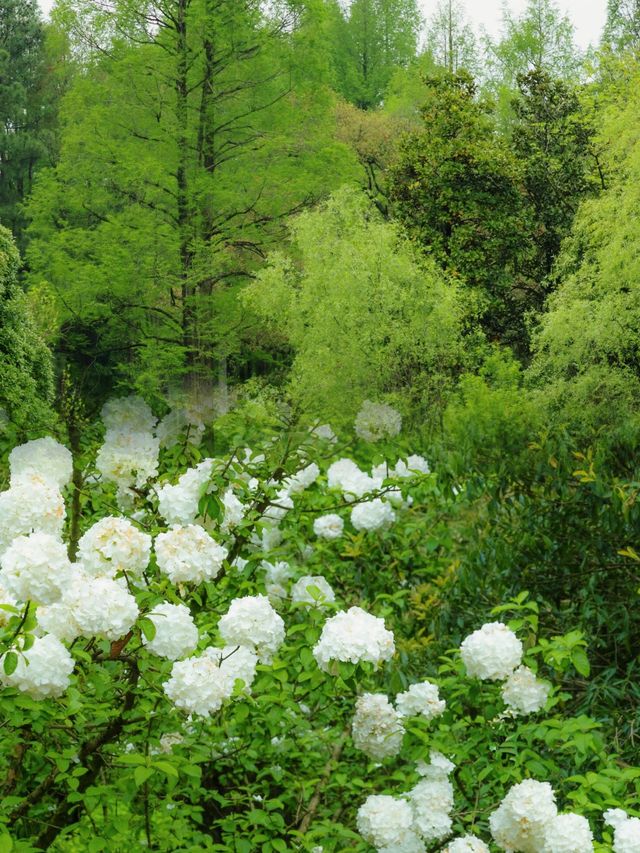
x=200 y=661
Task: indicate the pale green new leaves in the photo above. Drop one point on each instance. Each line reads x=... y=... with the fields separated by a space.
x=588 y=343
x=363 y=316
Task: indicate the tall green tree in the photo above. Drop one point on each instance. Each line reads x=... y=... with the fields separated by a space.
x=587 y=343
x=24 y=111
x=450 y=38
x=363 y=313
x=374 y=39
x=540 y=39
x=26 y=368
x=622 y=29
x=193 y=132
x=553 y=137
x=457 y=189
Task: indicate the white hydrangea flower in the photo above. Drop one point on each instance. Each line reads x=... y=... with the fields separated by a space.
x=376 y=728
x=268 y=540
x=302 y=479
x=199 y=685
x=277 y=510
x=91 y=607
x=372 y=515
x=277 y=576
x=127 y=414
x=432 y=799
x=423 y=699
x=176 y=633
x=352 y=482
x=189 y=554
x=568 y=833
x=376 y=421
x=234 y=511
x=414 y=465
x=169 y=740
x=114 y=545
x=44 y=457
x=179 y=504
x=301 y=593
x=467 y=844
x=353 y=636
x=324 y=433
x=626 y=831
x=524 y=693
x=279 y=572
x=387 y=823
x=520 y=821
x=128 y=458
x=36 y=568
x=43 y=671
x=328 y=526
x=492 y=652
x=31 y=504
x=251 y=621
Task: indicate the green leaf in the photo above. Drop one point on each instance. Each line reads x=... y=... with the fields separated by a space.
x=141 y=774
x=10 y=663
x=581 y=662
x=166 y=768
x=148 y=629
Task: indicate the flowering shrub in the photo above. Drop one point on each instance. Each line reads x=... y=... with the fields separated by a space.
x=198 y=661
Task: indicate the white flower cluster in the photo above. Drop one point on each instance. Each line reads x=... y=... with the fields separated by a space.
x=176 y=633
x=252 y=622
x=568 y=833
x=44 y=458
x=234 y=511
x=302 y=479
x=406 y=823
x=179 y=504
x=421 y=699
x=323 y=432
x=495 y=653
x=523 y=693
x=413 y=465
x=353 y=636
x=91 y=607
x=276 y=577
x=31 y=504
x=387 y=823
x=328 y=527
x=626 y=831
x=278 y=508
x=376 y=727
x=354 y=483
x=112 y=546
x=492 y=652
x=199 y=685
x=520 y=821
x=36 y=568
x=188 y=554
x=377 y=421
x=43 y=671
x=432 y=799
x=129 y=455
x=372 y=515
x=313 y=591
x=467 y=844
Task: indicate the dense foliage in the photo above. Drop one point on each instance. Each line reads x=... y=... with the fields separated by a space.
x=319 y=388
